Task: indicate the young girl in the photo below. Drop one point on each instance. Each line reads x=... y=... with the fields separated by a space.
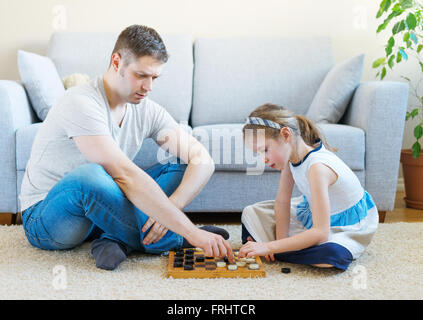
x=331 y=223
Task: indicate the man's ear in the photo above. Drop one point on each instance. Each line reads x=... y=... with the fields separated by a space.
x=116 y=61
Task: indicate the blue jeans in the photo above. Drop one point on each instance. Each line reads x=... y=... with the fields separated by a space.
x=88 y=204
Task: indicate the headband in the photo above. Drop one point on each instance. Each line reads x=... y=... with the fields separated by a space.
x=263 y=122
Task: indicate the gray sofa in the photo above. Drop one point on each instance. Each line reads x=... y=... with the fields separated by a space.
x=212 y=85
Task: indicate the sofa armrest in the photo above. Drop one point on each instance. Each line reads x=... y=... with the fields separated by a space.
x=16 y=112
x=379 y=107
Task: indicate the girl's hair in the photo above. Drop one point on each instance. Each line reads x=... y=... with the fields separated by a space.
x=299 y=125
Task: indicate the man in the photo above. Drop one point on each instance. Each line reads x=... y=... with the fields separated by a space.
x=80 y=183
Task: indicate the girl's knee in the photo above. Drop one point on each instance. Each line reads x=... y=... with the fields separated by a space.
x=247 y=211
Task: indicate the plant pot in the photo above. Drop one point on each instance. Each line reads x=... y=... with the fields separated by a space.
x=413 y=179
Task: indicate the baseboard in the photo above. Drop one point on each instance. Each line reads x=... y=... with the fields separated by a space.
x=400 y=184
x=6 y=218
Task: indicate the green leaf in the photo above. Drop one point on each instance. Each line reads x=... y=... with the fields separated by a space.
x=421 y=65
x=384 y=6
x=411 y=21
x=399 y=57
x=403 y=54
x=406 y=4
x=418 y=131
x=406 y=36
x=416 y=149
x=407 y=116
x=383 y=25
x=378 y=62
x=419 y=48
x=391 y=43
x=391 y=61
x=397 y=8
x=398 y=27
x=414 y=113
x=383 y=74
x=408 y=79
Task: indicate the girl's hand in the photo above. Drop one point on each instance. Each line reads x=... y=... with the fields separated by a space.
x=269 y=257
x=252 y=248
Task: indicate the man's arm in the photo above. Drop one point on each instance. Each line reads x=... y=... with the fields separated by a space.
x=199 y=169
x=145 y=194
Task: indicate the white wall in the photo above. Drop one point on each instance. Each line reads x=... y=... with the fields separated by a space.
x=28 y=24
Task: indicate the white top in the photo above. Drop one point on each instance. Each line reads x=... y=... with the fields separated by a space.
x=83 y=111
x=343 y=194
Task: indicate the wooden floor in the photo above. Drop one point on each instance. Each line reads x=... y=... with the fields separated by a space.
x=402 y=213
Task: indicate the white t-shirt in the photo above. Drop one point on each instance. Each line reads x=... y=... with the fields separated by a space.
x=82 y=111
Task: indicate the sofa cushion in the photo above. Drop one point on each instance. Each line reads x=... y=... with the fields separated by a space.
x=334 y=94
x=41 y=80
x=233 y=76
x=225 y=145
x=24 y=139
x=90 y=52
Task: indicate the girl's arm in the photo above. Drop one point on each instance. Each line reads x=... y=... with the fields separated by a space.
x=283 y=204
x=320 y=178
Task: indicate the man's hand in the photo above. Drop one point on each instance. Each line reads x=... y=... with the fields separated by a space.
x=212 y=244
x=156 y=232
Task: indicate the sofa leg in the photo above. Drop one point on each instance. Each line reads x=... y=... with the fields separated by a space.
x=382 y=215
x=7 y=218
x=18 y=219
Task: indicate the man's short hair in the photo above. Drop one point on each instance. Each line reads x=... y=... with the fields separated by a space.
x=137 y=41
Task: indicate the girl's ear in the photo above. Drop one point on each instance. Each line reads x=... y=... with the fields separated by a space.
x=285 y=134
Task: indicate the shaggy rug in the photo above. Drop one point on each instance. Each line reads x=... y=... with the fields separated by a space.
x=391 y=268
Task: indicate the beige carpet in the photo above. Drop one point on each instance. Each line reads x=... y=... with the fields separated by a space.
x=392 y=268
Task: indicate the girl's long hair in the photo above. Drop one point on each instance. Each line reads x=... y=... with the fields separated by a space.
x=300 y=125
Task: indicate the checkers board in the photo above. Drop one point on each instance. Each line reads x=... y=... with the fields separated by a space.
x=191 y=263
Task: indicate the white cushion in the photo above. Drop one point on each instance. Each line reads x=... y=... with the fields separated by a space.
x=41 y=80
x=336 y=90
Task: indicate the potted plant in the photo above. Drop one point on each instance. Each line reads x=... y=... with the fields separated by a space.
x=405 y=21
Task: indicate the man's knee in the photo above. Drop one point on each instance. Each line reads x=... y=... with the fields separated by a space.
x=91 y=176
x=89 y=170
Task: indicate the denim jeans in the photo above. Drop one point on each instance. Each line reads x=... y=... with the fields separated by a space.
x=87 y=203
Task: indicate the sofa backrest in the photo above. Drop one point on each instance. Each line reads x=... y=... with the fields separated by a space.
x=233 y=76
x=89 y=53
